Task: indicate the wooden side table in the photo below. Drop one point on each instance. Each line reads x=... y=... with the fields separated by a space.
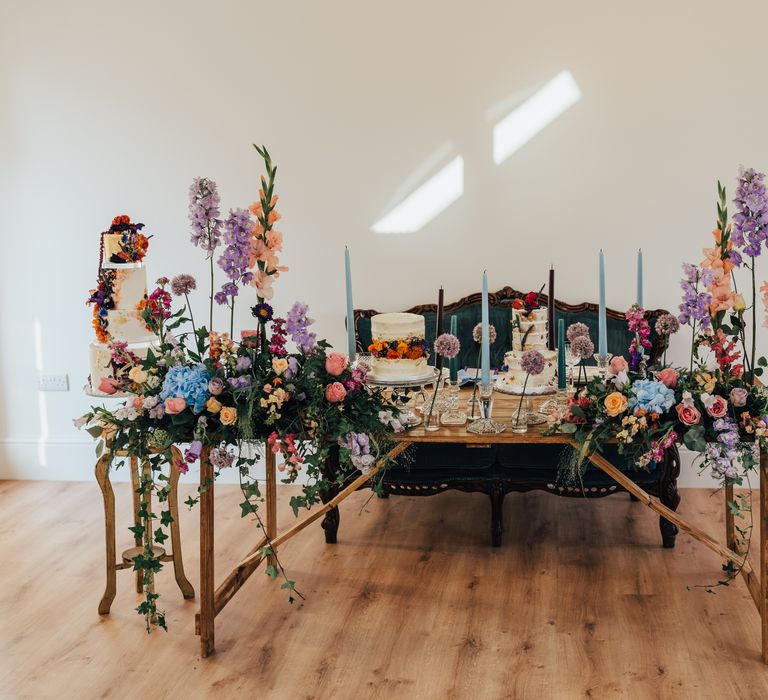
x=126 y=559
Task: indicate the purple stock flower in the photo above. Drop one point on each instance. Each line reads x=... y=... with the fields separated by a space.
x=297 y=324
x=751 y=218
x=696 y=299
x=203 y=214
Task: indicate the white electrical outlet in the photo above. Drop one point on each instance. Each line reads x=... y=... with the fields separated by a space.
x=52 y=382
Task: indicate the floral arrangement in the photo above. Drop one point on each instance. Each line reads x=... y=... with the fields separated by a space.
x=133 y=243
x=408 y=348
x=277 y=388
x=529 y=302
x=715 y=405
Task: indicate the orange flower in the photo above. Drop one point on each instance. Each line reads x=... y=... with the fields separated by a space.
x=392 y=355
x=414 y=353
x=402 y=348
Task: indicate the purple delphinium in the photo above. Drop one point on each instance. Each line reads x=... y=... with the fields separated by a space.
x=582 y=347
x=695 y=305
x=203 y=214
x=448 y=345
x=577 y=330
x=297 y=325
x=532 y=362
x=750 y=221
x=234 y=259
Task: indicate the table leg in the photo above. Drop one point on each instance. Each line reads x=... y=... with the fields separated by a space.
x=173 y=506
x=764 y=550
x=102 y=477
x=271 y=496
x=207 y=610
x=133 y=465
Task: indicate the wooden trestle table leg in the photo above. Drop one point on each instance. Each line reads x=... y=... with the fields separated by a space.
x=173 y=506
x=731 y=541
x=764 y=551
x=133 y=465
x=207 y=611
x=102 y=478
x=271 y=496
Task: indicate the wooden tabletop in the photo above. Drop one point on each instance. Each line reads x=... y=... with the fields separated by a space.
x=504 y=407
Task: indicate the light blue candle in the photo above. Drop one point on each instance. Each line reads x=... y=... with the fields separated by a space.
x=485 y=352
x=453 y=365
x=602 y=324
x=640 y=277
x=561 y=353
x=350 y=308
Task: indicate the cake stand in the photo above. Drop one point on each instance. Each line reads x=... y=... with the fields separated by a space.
x=408 y=417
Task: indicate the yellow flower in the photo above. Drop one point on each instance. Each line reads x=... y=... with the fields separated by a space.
x=228 y=415
x=738 y=303
x=615 y=403
x=213 y=405
x=706 y=381
x=138 y=375
x=279 y=365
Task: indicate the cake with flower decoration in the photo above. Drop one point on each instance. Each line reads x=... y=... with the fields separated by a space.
x=529 y=332
x=118 y=302
x=399 y=350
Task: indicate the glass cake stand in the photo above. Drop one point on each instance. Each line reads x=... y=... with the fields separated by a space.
x=418 y=386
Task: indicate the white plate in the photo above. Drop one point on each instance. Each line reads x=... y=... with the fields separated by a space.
x=506 y=388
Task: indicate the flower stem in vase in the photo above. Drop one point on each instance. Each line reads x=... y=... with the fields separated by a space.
x=522 y=398
x=428 y=424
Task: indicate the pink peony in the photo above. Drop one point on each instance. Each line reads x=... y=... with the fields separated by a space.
x=618 y=365
x=335 y=364
x=717 y=407
x=688 y=414
x=738 y=396
x=668 y=376
x=107 y=385
x=175 y=405
x=335 y=392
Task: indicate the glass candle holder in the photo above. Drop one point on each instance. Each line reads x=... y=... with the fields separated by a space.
x=485 y=425
x=602 y=364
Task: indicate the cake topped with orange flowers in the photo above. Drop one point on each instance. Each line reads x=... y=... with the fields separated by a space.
x=399 y=349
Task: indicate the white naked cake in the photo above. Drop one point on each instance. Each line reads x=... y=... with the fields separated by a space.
x=529 y=332
x=399 y=349
x=118 y=301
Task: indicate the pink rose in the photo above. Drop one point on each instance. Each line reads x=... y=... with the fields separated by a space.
x=107 y=385
x=175 y=405
x=688 y=414
x=138 y=403
x=739 y=396
x=717 y=407
x=335 y=392
x=335 y=364
x=618 y=365
x=668 y=377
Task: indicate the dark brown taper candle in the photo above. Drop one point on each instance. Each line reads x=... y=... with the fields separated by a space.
x=551 y=309
x=439 y=326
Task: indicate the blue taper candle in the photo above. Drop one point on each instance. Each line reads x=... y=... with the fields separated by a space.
x=351 y=349
x=602 y=324
x=453 y=364
x=561 y=353
x=640 y=277
x=485 y=351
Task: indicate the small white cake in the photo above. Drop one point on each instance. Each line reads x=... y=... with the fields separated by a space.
x=529 y=332
x=399 y=349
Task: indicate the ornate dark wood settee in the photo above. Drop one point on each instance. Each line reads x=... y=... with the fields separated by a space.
x=499 y=469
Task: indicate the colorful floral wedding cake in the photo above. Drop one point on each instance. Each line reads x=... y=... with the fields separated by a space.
x=118 y=301
x=399 y=349
x=529 y=332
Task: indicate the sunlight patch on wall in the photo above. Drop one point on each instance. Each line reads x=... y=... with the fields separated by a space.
x=426 y=202
x=539 y=110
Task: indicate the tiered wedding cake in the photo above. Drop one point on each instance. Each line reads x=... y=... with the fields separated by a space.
x=399 y=349
x=529 y=332
x=118 y=300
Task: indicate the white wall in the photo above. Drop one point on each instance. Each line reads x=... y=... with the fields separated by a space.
x=114 y=107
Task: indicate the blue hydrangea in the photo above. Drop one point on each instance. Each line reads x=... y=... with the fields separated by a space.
x=651 y=395
x=188 y=383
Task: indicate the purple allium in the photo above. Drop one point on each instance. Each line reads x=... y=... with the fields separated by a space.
x=203 y=214
x=183 y=284
x=477 y=333
x=532 y=362
x=667 y=324
x=751 y=218
x=263 y=312
x=695 y=304
x=297 y=324
x=576 y=330
x=447 y=345
x=221 y=458
x=582 y=347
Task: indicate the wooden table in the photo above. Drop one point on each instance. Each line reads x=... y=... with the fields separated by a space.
x=213 y=599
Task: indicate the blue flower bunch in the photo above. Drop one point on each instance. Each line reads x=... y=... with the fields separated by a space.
x=652 y=396
x=188 y=383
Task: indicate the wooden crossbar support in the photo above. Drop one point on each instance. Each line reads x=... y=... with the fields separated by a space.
x=763 y=515
x=753 y=584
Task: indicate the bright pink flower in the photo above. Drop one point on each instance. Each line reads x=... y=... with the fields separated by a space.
x=668 y=376
x=335 y=392
x=175 y=404
x=335 y=363
x=688 y=414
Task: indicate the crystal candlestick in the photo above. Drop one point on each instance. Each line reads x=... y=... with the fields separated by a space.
x=485 y=425
x=602 y=364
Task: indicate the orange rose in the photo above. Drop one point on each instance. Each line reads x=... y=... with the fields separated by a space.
x=615 y=403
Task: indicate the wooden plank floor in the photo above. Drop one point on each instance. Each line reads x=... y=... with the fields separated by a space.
x=581 y=601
